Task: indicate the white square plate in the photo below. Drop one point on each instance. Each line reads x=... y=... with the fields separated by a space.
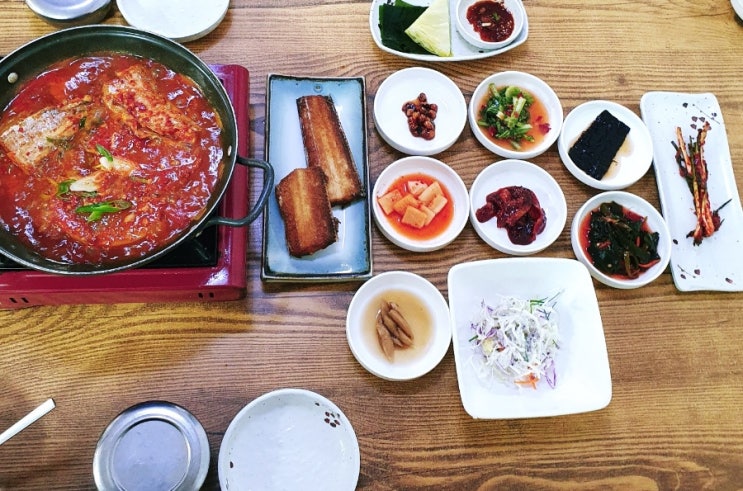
x=582 y=363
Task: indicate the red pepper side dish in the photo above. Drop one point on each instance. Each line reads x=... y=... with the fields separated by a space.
x=106 y=157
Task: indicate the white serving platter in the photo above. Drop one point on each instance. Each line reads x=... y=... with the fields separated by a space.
x=714 y=264
x=461 y=49
x=349 y=258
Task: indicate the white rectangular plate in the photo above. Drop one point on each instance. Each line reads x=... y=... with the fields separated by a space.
x=461 y=49
x=714 y=264
x=349 y=258
x=582 y=363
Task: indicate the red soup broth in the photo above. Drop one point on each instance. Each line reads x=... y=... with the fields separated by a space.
x=539 y=119
x=166 y=190
x=440 y=222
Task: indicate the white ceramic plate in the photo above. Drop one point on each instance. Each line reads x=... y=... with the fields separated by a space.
x=582 y=363
x=443 y=174
x=710 y=265
x=518 y=173
x=461 y=49
x=638 y=206
x=738 y=7
x=633 y=158
x=349 y=258
x=180 y=20
x=361 y=334
x=406 y=85
x=289 y=439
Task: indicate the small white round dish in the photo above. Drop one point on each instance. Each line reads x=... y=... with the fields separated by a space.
x=438 y=171
x=405 y=85
x=633 y=158
x=534 y=86
x=638 y=206
x=68 y=13
x=425 y=309
x=179 y=20
x=518 y=173
x=738 y=7
x=290 y=439
x=467 y=30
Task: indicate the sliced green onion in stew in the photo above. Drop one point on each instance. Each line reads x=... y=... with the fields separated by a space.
x=102 y=150
x=97 y=210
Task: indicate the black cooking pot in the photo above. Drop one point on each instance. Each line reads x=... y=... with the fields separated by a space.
x=33 y=58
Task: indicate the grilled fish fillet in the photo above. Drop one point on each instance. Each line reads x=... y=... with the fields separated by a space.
x=31 y=139
x=326 y=147
x=303 y=203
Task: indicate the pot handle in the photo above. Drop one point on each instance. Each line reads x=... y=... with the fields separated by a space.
x=259 y=205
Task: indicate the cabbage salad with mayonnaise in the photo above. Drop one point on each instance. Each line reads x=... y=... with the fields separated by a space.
x=515 y=341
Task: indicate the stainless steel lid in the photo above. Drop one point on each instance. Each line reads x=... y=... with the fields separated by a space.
x=67 y=13
x=154 y=446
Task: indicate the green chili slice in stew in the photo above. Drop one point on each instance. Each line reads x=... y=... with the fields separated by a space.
x=97 y=210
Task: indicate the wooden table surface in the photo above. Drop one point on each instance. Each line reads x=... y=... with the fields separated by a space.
x=675 y=420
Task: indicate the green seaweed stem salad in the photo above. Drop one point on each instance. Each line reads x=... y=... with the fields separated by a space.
x=619 y=242
x=505 y=114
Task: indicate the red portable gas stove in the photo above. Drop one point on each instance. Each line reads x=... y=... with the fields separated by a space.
x=209 y=267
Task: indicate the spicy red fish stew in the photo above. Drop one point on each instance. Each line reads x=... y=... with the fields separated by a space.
x=105 y=158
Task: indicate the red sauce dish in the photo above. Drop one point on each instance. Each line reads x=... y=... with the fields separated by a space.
x=491 y=20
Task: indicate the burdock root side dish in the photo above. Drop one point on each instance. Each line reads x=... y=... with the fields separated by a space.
x=393 y=330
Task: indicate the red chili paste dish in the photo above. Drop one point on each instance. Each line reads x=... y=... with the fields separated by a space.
x=491 y=20
x=106 y=157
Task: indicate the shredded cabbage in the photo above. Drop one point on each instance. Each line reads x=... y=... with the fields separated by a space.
x=515 y=341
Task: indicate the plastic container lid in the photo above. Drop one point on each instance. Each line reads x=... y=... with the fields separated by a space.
x=68 y=13
x=179 y=20
x=155 y=446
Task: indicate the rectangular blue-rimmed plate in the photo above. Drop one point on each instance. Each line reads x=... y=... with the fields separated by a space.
x=349 y=258
x=713 y=264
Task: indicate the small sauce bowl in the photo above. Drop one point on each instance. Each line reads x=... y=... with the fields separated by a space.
x=468 y=32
